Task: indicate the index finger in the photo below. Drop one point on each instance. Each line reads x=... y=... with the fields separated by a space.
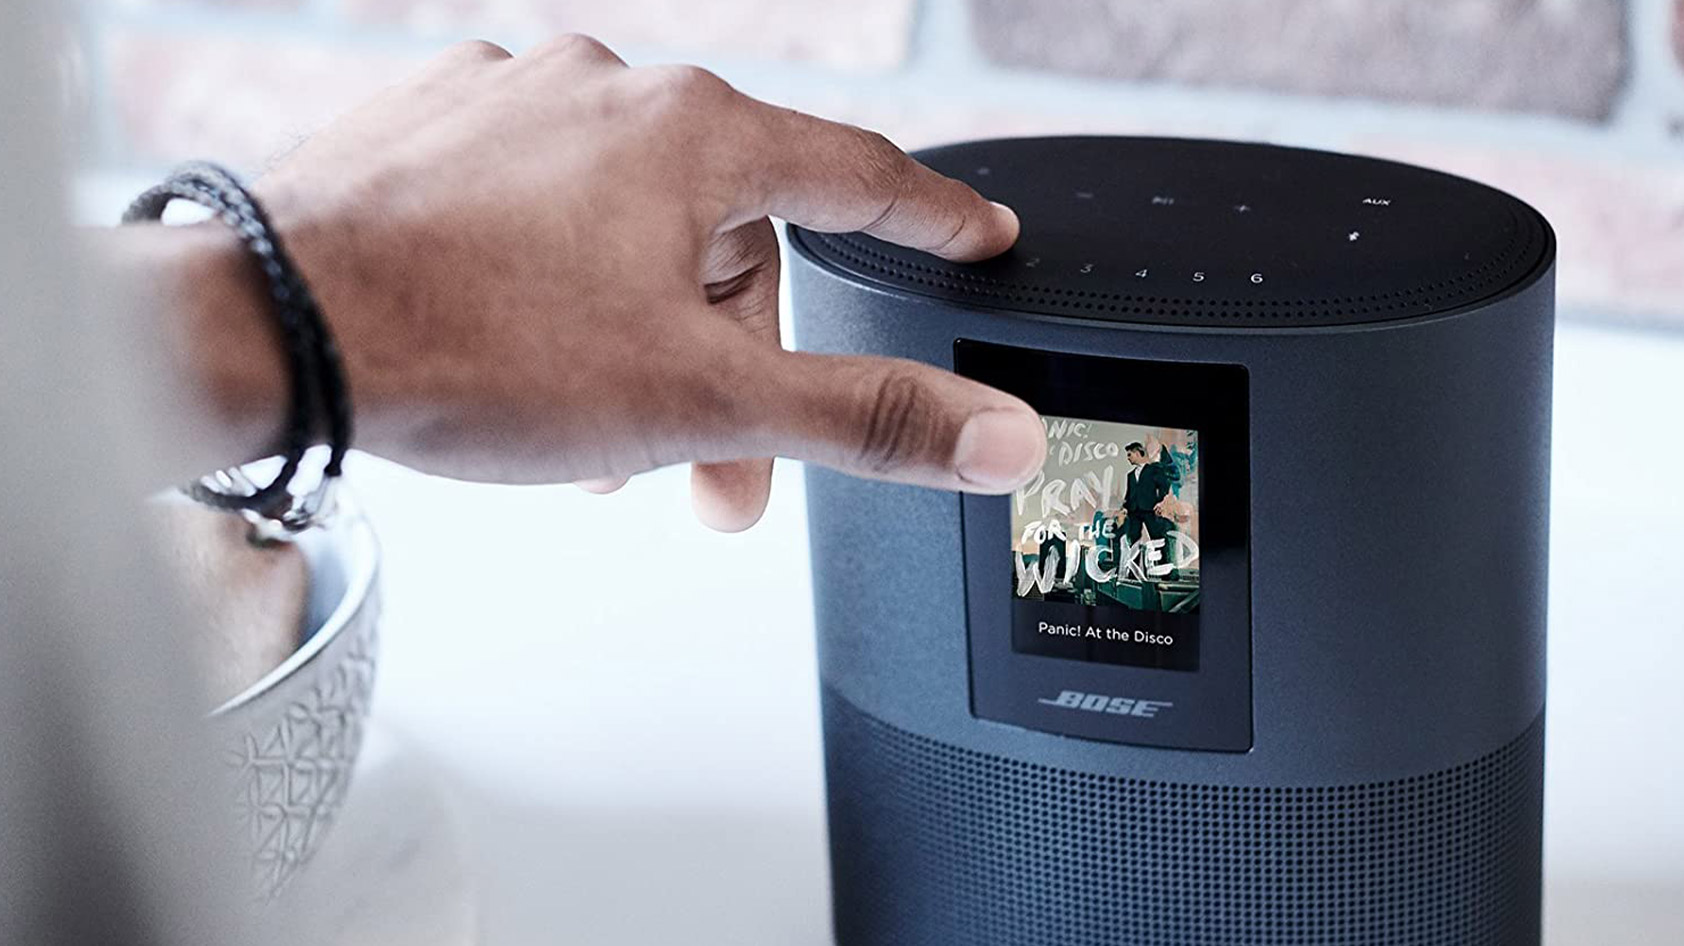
x=837 y=178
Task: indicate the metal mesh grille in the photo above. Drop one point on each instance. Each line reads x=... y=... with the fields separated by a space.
x=938 y=844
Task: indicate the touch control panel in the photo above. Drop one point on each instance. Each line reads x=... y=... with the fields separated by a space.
x=1190 y=232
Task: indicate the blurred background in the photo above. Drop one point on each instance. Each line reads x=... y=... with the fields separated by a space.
x=624 y=744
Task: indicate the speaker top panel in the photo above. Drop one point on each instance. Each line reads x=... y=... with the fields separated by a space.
x=1214 y=234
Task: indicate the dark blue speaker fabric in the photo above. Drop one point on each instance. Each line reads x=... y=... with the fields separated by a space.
x=935 y=845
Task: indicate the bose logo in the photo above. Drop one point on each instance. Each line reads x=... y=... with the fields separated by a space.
x=1100 y=703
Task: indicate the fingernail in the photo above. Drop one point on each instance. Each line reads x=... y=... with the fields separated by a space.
x=1008 y=217
x=1000 y=449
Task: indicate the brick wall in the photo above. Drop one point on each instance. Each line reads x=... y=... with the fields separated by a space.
x=1576 y=105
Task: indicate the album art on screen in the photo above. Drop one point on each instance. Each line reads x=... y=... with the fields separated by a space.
x=1105 y=546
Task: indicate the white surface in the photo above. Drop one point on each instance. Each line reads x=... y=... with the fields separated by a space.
x=635 y=732
x=393 y=871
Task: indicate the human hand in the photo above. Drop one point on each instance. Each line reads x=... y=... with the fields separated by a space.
x=557 y=268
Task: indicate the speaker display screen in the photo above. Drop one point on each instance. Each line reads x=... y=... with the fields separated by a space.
x=1105 y=546
x=1127 y=554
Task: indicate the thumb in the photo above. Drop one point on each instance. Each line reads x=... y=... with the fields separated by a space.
x=898 y=420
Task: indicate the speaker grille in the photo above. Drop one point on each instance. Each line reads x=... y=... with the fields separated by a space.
x=938 y=844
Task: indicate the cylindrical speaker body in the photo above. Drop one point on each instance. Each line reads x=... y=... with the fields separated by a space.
x=1314 y=715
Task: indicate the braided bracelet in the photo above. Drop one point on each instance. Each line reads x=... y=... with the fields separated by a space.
x=317 y=377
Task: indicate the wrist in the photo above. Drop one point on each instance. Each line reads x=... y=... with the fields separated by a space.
x=318 y=403
x=211 y=300
x=356 y=297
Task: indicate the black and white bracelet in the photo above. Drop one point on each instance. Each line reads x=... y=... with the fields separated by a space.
x=319 y=404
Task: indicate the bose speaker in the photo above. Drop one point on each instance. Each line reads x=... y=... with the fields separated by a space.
x=1258 y=656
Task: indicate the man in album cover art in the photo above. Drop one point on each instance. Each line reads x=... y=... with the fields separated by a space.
x=1149 y=482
